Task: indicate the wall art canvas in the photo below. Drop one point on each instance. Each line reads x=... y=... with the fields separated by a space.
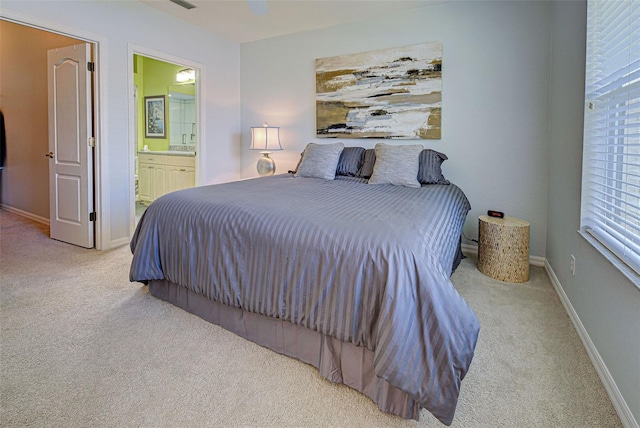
x=392 y=93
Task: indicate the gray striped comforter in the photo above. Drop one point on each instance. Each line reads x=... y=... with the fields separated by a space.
x=367 y=264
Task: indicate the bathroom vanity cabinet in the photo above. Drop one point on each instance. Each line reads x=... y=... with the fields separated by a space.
x=163 y=172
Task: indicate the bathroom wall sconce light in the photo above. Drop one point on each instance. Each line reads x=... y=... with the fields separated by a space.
x=186 y=75
x=267 y=139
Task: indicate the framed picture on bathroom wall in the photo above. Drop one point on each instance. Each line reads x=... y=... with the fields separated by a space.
x=155 y=117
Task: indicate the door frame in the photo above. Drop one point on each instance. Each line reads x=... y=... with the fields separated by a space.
x=200 y=114
x=100 y=178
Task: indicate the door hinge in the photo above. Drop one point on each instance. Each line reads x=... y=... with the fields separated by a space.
x=91 y=66
x=92 y=216
x=92 y=141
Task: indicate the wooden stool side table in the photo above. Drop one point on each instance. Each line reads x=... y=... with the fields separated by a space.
x=503 y=248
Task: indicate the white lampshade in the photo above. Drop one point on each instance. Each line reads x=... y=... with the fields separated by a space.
x=265 y=138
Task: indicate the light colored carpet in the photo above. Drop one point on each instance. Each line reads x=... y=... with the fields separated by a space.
x=81 y=346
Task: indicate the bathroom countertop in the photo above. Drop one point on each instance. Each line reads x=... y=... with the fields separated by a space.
x=167 y=152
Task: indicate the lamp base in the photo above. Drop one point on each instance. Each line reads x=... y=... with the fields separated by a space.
x=266 y=165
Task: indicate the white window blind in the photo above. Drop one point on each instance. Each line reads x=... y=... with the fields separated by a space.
x=611 y=162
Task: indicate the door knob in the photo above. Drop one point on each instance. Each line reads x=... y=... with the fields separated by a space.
x=49 y=155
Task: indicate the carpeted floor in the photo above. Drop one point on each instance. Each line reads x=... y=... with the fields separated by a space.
x=81 y=346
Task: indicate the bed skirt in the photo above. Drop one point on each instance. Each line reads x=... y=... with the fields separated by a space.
x=337 y=361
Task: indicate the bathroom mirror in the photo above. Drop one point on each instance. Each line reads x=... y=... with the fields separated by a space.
x=182 y=117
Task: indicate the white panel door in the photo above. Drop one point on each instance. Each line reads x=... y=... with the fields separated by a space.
x=70 y=154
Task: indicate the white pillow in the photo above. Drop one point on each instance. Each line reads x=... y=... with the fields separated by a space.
x=320 y=160
x=396 y=165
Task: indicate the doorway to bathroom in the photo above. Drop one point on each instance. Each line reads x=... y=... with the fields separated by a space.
x=165 y=129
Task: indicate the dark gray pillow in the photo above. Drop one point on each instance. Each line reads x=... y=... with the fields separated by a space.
x=397 y=165
x=430 y=170
x=368 y=161
x=350 y=161
x=320 y=160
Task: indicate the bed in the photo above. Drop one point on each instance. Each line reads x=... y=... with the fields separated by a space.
x=349 y=277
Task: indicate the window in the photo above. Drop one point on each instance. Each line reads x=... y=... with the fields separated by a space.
x=611 y=161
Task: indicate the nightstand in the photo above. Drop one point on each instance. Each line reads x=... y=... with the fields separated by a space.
x=503 y=248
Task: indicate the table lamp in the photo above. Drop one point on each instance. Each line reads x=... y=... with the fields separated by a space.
x=267 y=139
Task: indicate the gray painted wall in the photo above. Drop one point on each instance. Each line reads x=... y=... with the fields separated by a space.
x=606 y=302
x=495 y=97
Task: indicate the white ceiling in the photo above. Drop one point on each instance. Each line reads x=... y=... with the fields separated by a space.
x=235 y=20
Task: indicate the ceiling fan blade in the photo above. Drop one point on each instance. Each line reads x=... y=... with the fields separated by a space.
x=258 y=7
x=183 y=3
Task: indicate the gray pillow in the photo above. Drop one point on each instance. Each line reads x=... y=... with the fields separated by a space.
x=396 y=165
x=368 y=161
x=430 y=171
x=350 y=161
x=320 y=160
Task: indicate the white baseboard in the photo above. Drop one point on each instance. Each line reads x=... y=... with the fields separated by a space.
x=473 y=250
x=25 y=214
x=118 y=243
x=113 y=244
x=618 y=401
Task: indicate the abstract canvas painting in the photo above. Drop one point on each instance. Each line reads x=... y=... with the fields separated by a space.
x=391 y=93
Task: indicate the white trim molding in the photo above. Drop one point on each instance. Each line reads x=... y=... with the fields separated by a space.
x=618 y=401
x=120 y=242
x=25 y=214
x=200 y=91
x=468 y=249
